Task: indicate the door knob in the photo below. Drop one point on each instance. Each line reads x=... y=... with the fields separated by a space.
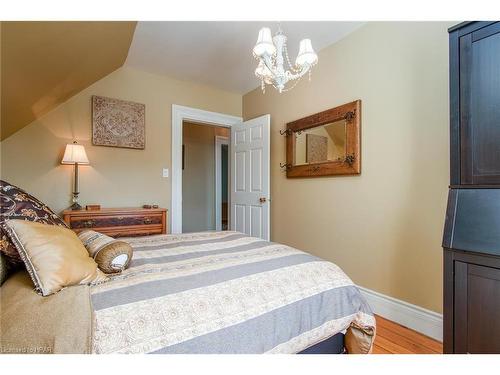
x=262 y=200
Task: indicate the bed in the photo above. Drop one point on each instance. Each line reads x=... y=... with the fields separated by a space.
x=210 y=292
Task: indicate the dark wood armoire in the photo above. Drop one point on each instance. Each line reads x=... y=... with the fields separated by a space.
x=471 y=240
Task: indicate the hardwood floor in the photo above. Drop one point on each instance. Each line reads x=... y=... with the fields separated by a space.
x=393 y=338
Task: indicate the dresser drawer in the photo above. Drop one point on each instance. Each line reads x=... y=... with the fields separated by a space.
x=133 y=231
x=119 y=222
x=86 y=222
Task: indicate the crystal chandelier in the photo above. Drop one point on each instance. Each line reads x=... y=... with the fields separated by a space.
x=271 y=53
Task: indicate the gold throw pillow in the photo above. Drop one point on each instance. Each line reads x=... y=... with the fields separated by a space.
x=53 y=255
x=110 y=255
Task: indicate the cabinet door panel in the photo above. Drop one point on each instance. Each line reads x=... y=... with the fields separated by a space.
x=477 y=309
x=483 y=318
x=480 y=106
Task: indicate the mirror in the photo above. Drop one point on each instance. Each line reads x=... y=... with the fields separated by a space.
x=326 y=143
x=321 y=144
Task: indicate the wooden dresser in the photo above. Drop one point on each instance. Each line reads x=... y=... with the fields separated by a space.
x=119 y=222
x=471 y=241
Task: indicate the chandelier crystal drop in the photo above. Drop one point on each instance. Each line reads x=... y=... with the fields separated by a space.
x=271 y=53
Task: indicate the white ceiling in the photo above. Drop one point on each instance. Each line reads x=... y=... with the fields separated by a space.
x=219 y=54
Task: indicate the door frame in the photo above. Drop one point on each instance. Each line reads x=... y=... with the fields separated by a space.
x=219 y=141
x=179 y=115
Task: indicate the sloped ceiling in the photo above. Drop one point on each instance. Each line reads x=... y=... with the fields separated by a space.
x=45 y=63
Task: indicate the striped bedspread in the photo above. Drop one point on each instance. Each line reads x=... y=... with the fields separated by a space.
x=225 y=292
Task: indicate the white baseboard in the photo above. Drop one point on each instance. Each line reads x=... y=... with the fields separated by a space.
x=417 y=318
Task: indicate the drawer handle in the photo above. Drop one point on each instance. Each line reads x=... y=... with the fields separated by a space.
x=147 y=220
x=88 y=223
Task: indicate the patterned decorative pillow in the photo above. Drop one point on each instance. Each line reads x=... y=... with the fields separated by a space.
x=15 y=203
x=111 y=255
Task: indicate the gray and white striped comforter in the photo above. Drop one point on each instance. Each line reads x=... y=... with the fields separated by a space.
x=223 y=292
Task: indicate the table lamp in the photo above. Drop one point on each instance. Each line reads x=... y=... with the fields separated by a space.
x=75 y=154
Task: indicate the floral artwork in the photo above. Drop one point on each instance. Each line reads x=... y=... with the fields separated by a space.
x=118 y=123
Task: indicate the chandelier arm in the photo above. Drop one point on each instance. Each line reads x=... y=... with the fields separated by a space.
x=268 y=63
x=304 y=70
x=292 y=67
x=294 y=84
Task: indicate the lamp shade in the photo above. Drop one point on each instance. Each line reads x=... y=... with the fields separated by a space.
x=264 y=45
x=75 y=153
x=306 y=54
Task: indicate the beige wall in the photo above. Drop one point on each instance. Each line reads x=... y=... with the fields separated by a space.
x=117 y=177
x=384 y=227
x=198 y=176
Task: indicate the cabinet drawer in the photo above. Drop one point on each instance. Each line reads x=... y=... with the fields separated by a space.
x=114 y=221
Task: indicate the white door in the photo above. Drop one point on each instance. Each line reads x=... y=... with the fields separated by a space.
x=250 y=190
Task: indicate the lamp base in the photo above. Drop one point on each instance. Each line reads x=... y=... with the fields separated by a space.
x=75 y=207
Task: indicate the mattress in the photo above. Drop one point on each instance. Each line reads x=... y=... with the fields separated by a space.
x=226 y=292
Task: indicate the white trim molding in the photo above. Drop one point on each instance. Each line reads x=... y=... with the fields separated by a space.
x=179 y=114
x=414 y=317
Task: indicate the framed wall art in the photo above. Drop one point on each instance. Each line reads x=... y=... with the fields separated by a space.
x=118 y=123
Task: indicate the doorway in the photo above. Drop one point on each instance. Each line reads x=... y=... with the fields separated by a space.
x=249 y=174
x=205 y=170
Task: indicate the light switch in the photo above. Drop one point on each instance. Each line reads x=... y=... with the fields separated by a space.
x=165 y=172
